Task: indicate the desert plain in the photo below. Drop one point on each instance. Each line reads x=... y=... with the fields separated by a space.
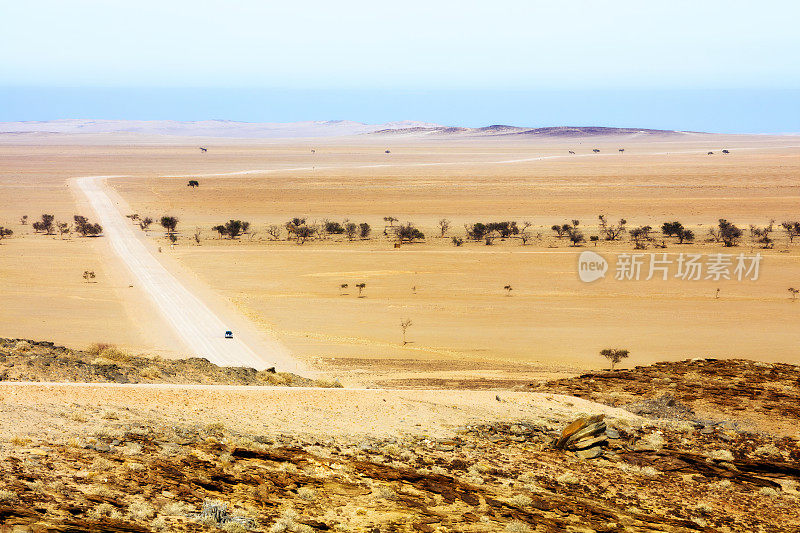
x=484 y=318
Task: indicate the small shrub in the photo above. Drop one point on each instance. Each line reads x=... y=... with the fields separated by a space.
x=115 y=354
x=520 y=500
x=568 y=478
x=108 y=414
x=98 y=347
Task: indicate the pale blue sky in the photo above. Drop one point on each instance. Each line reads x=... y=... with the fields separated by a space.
x=476 y=47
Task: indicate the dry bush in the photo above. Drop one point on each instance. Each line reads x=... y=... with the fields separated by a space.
x=515 y=526
x=150 y=372
x=568 y=478
x=327 y=384
x=134 y=467
x=113 y=353
x=140 y=511
x=108 y=414
x=520 y=500
x=132 y=448
x=20 y=441
x=176 y=509
x=7 y=495
x=98 y=347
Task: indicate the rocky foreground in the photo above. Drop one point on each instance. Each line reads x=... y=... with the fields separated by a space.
x=673 y=468
x=29 y=360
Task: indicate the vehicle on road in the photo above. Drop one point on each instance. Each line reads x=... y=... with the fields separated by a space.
x=229 y=334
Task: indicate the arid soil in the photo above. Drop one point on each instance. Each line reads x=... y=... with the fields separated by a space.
x=110 y=460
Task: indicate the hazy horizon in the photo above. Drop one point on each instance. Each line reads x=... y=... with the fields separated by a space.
x=713 y=111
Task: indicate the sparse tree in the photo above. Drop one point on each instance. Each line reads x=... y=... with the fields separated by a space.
x=457 y=241
x=793 y=292
x=477 y=231
x=676 y=229
x=727 y=233
x=274 y=232
x=88 y=275
x=364 y=230
x=342 y=288
x=197 y=234
x=360 y=287
x=792 y=229
x=390 y=220
x=63 y=228
x=508 y=289
x=169 y=223
x=23 y=220
x=762 y=235
x=45 y=224
x=408 y=233
x=172 y=238
x=641 y=237
x=219 y=228
x=615 y=355
x=86 y=228
x=193 y=183
x=332 y=228
x=145 y=223
x=444 y=225
x=612 y=232
x=232 y=228
x=560 y=229
x=5 y=232
x=404 y=325
x=575 y=236
x=350 y=229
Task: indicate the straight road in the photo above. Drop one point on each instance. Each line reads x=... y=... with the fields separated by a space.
x=201 y=329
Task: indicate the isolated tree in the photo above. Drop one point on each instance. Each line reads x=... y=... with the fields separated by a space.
x=726 y=233
x=444 y=225
x=793 y=292
x=610 y=231
x=145 y=223
x=615 y=355
x=390 y=220
x=5 y=232
x=23 y=220
x=792 y=229
x=408 y=233
x=594 y=239
x=351 y=230
x=342 y=288
x=404 y=325
x=457 y=241
x=169 y=223
x=88 y=275
x=86 y=228
x=524 y=238
x=193 y=183
x=197 y=233
x=274 y=232
x=364 y=230
x=508 y=289
x=45 y=224
x=622 y=150
x=360 y=287
x=172 y=238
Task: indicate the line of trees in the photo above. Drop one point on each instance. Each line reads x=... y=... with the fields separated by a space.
x=48 y=225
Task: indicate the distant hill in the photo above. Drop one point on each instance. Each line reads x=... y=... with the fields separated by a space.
x=499 y=130
x=265 y=130
x=206 y=128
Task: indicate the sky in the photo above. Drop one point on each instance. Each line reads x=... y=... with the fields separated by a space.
x=701 y=65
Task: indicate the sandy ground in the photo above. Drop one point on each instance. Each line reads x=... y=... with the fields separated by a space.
x=464 y=325
x=295 y=411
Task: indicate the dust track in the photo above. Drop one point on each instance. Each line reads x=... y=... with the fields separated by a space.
x=201 y=329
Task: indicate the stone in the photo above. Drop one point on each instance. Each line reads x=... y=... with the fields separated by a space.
x=589 y=453
x=612 y=433
x=588 y=443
